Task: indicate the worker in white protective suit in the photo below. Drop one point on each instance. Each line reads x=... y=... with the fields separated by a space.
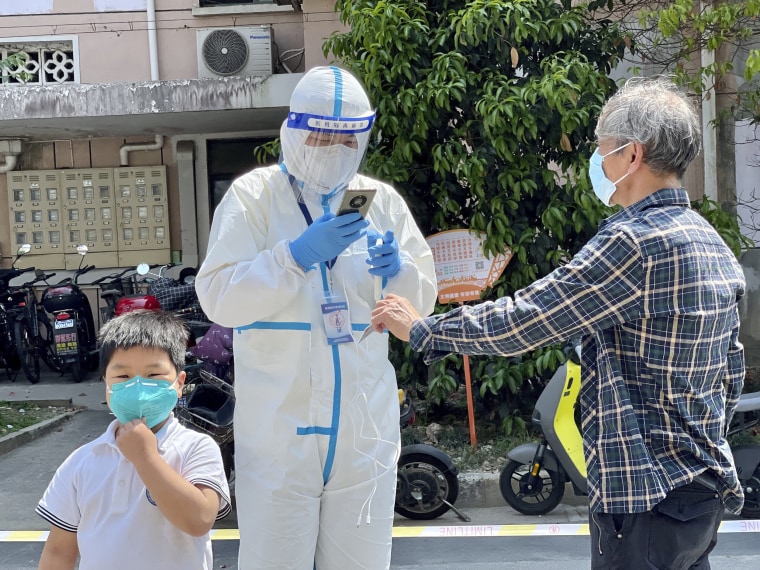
x=317 y=412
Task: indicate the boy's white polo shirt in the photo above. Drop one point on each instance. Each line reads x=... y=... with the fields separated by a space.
x=98 y=494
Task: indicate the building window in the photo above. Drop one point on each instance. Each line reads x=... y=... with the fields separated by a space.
x=46 y=63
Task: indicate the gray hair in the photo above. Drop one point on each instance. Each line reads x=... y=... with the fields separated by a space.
x=656 y=114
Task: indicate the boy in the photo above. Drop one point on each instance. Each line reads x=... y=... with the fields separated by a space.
x=146 y=493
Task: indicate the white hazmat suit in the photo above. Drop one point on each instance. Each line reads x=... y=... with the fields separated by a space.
x=316 y=424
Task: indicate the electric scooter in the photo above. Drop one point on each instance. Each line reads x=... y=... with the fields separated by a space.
x=74 y=335
x=426 y=479
x=533 y=480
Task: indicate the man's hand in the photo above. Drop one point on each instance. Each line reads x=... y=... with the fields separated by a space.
x=136 y=441
x=395 y=314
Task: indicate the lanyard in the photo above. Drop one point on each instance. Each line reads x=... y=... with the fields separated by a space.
x=304 y=209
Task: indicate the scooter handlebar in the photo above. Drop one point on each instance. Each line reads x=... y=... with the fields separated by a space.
x=44 y=277
x=81 y=271
x=118 y=275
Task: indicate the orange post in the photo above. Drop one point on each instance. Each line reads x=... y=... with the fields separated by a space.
x=470 y=410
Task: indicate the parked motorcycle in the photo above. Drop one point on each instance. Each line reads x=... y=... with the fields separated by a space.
x=426 y=480
x=167 y=294
x=179 y=295
x=112 y=288
x=138 y=300
x=75 y=337
x=533 y=480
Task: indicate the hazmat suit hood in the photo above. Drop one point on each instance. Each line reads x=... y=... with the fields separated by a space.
x=329 y=101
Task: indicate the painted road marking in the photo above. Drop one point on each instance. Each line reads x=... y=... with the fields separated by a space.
x=471 y=531
x=452 y=531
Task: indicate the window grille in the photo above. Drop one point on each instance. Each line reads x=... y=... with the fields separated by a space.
x=50 y=62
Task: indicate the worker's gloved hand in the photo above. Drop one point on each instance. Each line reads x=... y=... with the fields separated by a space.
x=384 y=259
x=327 y=237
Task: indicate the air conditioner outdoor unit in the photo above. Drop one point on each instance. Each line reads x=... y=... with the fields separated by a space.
x=223 y=52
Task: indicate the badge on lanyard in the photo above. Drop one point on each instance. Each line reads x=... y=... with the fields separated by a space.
x=336 y=319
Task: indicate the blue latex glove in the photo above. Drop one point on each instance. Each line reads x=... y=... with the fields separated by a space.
x=327 y=237
x=384 y=259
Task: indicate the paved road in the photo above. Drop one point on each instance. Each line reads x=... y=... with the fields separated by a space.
x=734 y=552
x=496 y=537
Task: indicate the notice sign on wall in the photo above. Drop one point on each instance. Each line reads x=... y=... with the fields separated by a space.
x=462 y=271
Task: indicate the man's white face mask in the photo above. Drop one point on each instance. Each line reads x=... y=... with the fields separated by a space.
x=328 y=167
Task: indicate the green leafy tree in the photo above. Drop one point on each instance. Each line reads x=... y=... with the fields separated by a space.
x=670 y=37
x=485 y=113
x=671 y=34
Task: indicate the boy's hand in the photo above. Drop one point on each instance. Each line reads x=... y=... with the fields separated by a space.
x=136 y=441
x=189 y=508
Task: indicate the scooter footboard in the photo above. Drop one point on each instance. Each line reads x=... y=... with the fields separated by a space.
x=526 y=452
x=746 y=458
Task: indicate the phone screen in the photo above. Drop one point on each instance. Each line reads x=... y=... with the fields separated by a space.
x=357 y=201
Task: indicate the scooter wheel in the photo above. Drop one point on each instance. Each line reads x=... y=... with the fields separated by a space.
x=424 y=483
x=539 y=500
x=751 y=509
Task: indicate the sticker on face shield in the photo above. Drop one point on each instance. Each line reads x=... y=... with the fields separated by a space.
x=347 y=125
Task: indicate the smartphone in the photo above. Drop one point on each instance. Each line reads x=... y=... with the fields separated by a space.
x=356 y=201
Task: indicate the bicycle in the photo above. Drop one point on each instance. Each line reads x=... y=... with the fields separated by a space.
x=10 y=298
x=33 y=332
x=9 y=358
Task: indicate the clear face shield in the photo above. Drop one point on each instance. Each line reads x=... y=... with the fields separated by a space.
x=324 y=152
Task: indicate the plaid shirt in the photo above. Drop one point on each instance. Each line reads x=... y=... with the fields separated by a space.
x=655 y=297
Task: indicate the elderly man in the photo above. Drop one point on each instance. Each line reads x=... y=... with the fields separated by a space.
x=654 y=295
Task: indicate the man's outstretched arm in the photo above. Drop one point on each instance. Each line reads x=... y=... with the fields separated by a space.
x=599 y=288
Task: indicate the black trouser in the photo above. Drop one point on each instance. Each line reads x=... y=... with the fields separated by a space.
x=678 y=534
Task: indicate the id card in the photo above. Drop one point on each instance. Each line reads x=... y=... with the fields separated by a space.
x=336 y=319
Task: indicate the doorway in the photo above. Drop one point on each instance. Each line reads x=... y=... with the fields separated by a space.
x=229 y=159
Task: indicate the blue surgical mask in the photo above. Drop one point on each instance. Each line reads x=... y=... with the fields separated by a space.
x=143 y=398
x=603 y=187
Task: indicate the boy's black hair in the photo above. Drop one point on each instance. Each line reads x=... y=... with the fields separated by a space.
x=149 y=329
